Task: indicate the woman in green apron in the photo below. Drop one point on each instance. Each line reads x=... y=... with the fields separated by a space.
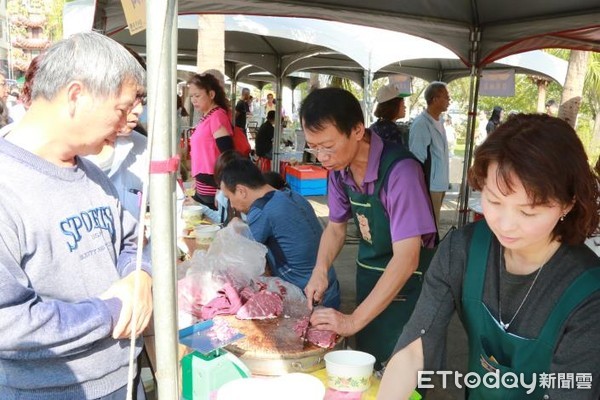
x=525 y=288
x=381 y=186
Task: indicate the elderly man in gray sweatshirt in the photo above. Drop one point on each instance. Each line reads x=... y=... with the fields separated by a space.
x=67 y=248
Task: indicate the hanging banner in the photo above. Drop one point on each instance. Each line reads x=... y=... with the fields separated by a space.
x=402 y=82
x=135 y=14
x=497 y=83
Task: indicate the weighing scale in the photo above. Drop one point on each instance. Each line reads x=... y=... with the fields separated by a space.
x=209 y=367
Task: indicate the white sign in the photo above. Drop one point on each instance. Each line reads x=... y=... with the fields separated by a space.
x=402 y=82
x=497 y=83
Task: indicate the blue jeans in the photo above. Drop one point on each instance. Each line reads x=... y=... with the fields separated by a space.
x=121 y=394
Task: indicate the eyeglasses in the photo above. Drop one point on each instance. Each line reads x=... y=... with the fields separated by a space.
x=323 y=151
x=141 y=99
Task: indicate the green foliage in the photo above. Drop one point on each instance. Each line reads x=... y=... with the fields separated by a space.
x=53 y=9
x=591 y=86
x=347 y=84
x=54 y=14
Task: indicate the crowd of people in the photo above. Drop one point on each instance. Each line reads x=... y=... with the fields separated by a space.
x=526 y=289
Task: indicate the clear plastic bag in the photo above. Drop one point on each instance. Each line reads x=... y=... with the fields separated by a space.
x=233 y=257
x=294 y=300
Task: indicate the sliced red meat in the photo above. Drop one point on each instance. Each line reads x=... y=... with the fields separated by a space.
x=321 y=338
x=324 y=339
x=262 y=305
x=246 y=293
x=301 y=325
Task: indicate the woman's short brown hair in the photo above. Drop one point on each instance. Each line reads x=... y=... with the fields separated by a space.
x=547 y=156
x=388 y=110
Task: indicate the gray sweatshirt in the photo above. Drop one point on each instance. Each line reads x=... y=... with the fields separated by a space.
x=64 y=240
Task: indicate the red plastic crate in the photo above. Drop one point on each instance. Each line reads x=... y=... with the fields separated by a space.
x=307 y=171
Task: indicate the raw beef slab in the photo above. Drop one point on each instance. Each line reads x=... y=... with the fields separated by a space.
x=262 y=305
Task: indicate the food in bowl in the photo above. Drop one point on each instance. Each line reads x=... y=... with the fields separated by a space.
x=189 y=188
x=205 y=234
x=349 y=370
x=192 y=215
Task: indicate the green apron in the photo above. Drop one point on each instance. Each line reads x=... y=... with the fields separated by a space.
x=511 y=353
x=374 y=252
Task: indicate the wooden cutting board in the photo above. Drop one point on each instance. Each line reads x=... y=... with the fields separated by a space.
x=269 y=338
x=272 y=348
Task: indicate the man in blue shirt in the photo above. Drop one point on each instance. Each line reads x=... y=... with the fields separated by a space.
x=283 y=221
x=427 y=141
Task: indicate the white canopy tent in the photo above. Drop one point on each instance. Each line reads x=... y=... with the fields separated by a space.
x=478 y=31
x=360 y=53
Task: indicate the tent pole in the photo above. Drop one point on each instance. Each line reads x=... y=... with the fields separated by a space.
x=162 y=29
x=278 y=110
x=233 y=96
x=367 y=80
x=463 y=198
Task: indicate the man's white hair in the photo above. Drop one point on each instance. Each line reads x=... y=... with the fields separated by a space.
x=99 y=62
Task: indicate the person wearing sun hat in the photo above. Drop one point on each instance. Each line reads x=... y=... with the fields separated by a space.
x=390 y=107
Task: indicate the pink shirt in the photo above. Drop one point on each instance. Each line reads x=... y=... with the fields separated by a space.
x=203 y=146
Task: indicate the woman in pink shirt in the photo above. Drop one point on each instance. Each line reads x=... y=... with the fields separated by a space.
x=213 y=134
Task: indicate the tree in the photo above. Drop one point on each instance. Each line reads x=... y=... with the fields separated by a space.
x=344 y=83
x=570 y=101
x=592 y=94
x=54 y=12
x=542 y=85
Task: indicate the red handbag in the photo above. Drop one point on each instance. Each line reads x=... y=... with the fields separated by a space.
x=240 y=141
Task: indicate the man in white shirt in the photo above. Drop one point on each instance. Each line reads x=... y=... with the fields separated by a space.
x=428 y=142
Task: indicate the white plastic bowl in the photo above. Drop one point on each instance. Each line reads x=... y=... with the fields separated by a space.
x=295 y=386
x=349 y=370
x=192 y=215
x=205 y=234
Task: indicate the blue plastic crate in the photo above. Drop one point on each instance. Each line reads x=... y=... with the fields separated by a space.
x=307 y=187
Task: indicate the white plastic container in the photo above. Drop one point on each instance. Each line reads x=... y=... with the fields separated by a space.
x=205 y=234
x=189 y=188
x=192 y=215
x=295 y=386
x=349 y=370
